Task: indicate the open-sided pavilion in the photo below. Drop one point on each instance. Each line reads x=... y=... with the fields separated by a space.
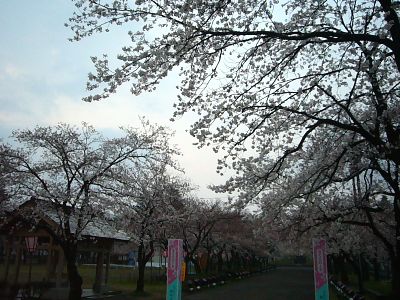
x=98 y=238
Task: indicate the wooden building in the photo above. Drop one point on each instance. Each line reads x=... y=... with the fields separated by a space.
x=97 y=239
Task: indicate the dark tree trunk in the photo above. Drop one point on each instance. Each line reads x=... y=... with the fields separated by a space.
x=196 y=264
x=143 y=258
x=234 y=261
x=141 y=269
x=396 y=277
x=187 y=262
x=75 y=280
x=364 y=268
x=395 y=257
x=341 y=267
x=360 y=277
x=331 y=264
x=220 y=262
x=355 y=262
x=209 y=266
x=377 y=276
x=229 y=261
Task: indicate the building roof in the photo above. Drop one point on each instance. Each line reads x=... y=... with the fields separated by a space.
x=97 y=227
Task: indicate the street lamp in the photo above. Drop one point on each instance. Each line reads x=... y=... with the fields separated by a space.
x=31 y=244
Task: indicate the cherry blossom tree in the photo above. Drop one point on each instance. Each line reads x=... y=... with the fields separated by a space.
x=150 y=203
x=69 y=171
x=244 y=238
x=3 y=202
x=3 y=196
x=200 y=219
x=357 y=220
x=276 y=84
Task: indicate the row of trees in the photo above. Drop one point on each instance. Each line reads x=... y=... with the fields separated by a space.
x=215 y=238
x=300 y=99
x=74 y=173
x=78 y=177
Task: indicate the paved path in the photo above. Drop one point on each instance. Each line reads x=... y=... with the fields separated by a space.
x=281 y=284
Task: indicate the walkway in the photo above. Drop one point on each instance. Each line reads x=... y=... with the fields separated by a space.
x=281 y=284
x=290 y=283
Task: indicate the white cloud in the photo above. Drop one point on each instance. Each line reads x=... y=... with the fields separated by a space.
x=199 y=164
x=12 y=120
x=12 y=71
x=105 y=114
x=46 y=76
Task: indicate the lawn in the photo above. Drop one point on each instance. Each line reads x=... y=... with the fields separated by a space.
x=371 y=287
x=120 y=279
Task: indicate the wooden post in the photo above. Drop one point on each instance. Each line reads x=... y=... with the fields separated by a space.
x=151 y=269
x=30 y=267
x=99 y=272
x=159 y=262
x=50 y=261
x=107 y=267
x=60 y=267
x=18 y=260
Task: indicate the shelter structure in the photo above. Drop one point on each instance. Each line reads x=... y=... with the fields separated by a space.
x=98 y=238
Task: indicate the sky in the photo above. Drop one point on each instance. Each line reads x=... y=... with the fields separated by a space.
x=43 y=79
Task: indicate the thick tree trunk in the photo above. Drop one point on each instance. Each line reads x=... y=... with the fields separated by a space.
x=341 y=268
x=196 y=264
x=75 y=280
x=209 y=262
x=220 y=262
x=396 y=257
x=360 y=277
x=143 y=258
x=376 y=265
x=140 y=280
x=187 y=262
x=141 y=269
x=355 y=261
x=396 y=277
x=234 y=261
x=364 y=268
x=331 y=264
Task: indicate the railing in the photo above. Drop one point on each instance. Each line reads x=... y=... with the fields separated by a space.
x=195 y=284
x=344 y=291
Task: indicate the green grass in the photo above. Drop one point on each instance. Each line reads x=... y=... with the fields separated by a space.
x=37 y=273
x=381 y=287
x=333 y=294
x=384 y=287
x=124 y=279
x=120 y=279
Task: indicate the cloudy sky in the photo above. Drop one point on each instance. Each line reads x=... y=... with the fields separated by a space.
x=43 y=78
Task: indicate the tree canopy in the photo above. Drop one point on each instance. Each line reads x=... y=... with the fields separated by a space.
x=70 y=173
x=300 y=98
x=280 y=79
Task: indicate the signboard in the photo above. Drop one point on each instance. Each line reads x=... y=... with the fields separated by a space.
x=174 y=269
x=320 y=270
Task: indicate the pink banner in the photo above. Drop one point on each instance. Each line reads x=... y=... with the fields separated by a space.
x=174 y=260
x=320 y=264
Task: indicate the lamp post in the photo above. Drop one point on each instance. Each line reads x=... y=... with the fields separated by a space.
x=31 y=244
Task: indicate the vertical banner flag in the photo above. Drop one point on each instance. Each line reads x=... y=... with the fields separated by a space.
x=320 y=270
x=174 y=269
